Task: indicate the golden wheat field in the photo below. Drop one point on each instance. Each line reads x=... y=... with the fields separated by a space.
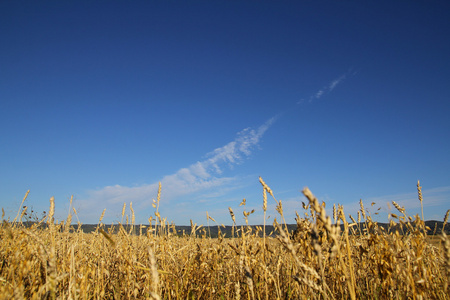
x=319 y=260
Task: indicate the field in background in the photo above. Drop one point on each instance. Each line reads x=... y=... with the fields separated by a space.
x=325 y=257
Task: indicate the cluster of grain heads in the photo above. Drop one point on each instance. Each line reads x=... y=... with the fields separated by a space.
x=325 y=258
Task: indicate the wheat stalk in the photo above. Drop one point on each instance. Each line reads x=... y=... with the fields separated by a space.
x=445 y=220
x=20 y=207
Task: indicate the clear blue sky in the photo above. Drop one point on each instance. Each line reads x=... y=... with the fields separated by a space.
x=104 y=99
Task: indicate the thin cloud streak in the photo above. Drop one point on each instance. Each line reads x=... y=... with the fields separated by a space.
x=328 y=88
x=200 y=176
x=335 y=82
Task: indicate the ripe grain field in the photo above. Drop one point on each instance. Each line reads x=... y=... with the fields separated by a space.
x=317 y=261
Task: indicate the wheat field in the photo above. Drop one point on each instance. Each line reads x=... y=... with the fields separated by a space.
x=326 y=257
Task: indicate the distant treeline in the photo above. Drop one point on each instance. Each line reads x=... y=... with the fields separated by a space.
x=432 y=228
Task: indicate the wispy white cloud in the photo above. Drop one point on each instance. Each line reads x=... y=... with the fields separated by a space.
x=326 y=89
x=335 y=82
x=319 y=94
x=201 y=176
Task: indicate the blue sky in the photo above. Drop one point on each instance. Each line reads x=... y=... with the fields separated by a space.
x=104 y=99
